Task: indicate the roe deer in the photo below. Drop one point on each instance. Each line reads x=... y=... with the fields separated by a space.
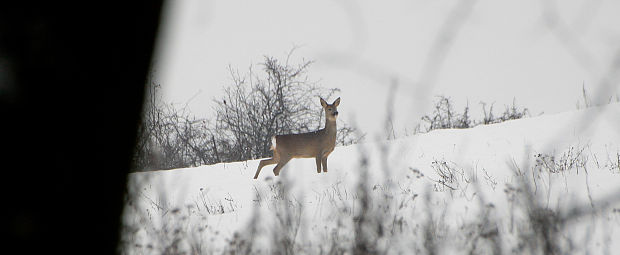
x=318 y=144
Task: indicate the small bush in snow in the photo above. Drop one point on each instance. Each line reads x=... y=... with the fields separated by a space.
x=445 y=117
x=574 y=157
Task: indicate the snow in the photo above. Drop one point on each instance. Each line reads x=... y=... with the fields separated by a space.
x=492 y=167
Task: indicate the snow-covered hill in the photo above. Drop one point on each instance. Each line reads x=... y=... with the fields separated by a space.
x=546 y=183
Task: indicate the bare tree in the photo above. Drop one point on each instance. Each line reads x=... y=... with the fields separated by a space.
x=281 y=100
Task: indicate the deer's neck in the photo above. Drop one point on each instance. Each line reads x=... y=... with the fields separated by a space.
x=330 y=127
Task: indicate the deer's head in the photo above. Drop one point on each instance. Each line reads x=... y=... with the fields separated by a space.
x=331 y=110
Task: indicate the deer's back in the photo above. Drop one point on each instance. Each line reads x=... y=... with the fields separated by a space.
x=305 y=145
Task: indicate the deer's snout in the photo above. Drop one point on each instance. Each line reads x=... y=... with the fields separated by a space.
x=336 y=113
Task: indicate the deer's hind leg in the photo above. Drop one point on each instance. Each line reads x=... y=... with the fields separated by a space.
x=280 y=165
x=263 y=163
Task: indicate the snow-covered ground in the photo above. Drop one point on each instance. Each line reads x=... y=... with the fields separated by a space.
x=540 y=184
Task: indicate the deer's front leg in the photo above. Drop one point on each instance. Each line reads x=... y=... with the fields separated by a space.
x=318 y=164
x=324 y=160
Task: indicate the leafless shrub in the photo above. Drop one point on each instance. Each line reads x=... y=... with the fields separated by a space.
x=512 y=112
x=204 y=202
x=450 y=176
x=347 y=135
x=169 y=137
x=488 y=118
x=574 y=157
x=444 y=116
x=256 y=107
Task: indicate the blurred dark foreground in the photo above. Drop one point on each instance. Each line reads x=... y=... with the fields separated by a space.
x=72 y=78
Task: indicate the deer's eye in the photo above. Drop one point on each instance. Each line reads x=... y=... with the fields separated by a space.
x=330 y=109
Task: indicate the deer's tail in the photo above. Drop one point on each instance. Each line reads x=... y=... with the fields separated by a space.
x=273 y=143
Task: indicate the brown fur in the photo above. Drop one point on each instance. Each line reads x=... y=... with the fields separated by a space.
x=318 y=144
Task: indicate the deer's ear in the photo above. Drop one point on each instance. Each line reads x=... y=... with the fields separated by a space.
x=337 y=102
x=323 y=103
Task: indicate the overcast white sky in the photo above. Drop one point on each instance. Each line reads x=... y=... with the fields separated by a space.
x=539 y=52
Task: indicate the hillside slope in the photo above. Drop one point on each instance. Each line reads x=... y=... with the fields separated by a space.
x=464 y=183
